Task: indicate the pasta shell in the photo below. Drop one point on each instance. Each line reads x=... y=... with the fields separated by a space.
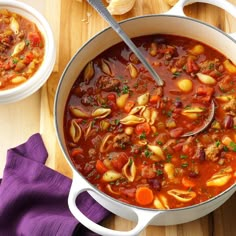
x=137 y=109
x=156 y=150
x=101 y=113
x=169 y=170
x=104 y=125
x=132 y=120
x=129 y=170
x=153 y=117
x=147 y=114
x=143 y=99
x=88 y=72
x=106 y=143
x=77 y=112
x=224 y=98
x=14 y=25
x=133 y=71
x=120 y=7
x=18 y=48
x=88 y=131
x=182 y=195
x=160 y=202
x=111 y=175
x=75 y=131
x=106 y=67
x=18 y=79
x=109 y=188
x=206 y=79
x=220 y=178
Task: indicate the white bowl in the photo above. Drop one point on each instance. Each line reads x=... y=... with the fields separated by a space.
x=41 y=75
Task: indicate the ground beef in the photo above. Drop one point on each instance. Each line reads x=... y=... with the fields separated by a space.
x=108 y=84
x=121 y=141
x=230 y=107
x=212 y=152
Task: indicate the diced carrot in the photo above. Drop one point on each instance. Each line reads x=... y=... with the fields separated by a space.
x=143 y=128
x=128 y=106
x=187 y=182
x=144 y=196
x=154 y=98
x=101 y=168
x=76 y=151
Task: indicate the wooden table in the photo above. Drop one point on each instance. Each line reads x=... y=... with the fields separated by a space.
x=73 y=23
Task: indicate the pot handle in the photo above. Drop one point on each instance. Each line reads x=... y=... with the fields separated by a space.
x=80 y=185
x=177 y=9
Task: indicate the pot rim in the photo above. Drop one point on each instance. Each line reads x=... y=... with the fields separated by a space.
x=75 y=171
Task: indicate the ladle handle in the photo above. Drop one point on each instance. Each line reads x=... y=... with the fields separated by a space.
x=98 y=5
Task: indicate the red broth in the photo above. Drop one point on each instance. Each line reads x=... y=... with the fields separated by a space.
x=21 y=49
x=124 y=133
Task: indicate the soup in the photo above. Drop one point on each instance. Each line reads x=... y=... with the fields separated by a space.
x=126 y=135
x=21 y=49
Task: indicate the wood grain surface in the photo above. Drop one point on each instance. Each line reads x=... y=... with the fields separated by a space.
x=73 y=23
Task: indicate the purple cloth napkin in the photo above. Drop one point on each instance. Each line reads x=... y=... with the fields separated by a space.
x=33 y=197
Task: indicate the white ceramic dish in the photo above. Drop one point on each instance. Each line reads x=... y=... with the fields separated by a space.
x=40 y=77
x=168 y=23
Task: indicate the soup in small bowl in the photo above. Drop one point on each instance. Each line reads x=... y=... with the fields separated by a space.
x=27 y=51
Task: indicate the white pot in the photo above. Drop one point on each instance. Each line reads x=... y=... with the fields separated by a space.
x=168 y=23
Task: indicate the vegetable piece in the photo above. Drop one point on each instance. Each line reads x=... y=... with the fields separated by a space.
x=197 y=49
x=122 y=100
x=128 y=106
x=229 y=66
x=154 y=98
x=142 y=128
x=100 y=167
x=143 y=99
x=34 y=38
x=187 y=182
x=185 y=85
x=144 y=196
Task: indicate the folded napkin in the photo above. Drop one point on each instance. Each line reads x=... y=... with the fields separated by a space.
x=33 y=197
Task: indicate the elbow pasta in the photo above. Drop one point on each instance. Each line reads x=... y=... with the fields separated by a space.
x=124 y=133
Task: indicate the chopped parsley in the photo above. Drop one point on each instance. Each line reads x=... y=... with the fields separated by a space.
x=233 y=146
x=183 y=156
x=168 y=156
x=159 y=172
x=142 y=136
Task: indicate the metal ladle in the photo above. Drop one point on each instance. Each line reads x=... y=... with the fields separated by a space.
x=101 y=9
